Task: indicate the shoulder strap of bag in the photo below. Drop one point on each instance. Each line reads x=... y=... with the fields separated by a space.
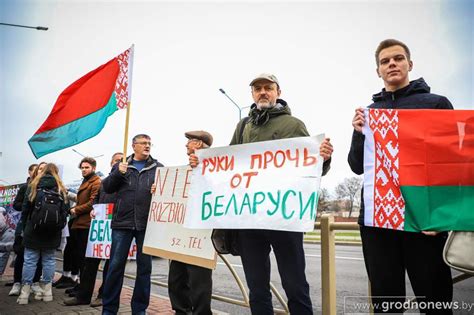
x=242 y=127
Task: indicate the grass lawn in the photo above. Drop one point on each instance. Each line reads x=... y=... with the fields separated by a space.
x=341 y=236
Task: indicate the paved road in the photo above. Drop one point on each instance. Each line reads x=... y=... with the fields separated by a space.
x=350 y=277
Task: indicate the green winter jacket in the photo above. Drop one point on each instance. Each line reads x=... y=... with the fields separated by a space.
x=272 y=124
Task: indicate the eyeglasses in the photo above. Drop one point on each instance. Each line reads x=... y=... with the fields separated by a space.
x=144 y=143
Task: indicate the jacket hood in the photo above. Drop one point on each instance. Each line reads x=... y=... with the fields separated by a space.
x=261 y=117
x=415 y=87
x=47 y=181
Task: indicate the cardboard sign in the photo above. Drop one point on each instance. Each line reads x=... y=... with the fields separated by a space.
x=165 y=234
x=99 y=243
x=266 y=185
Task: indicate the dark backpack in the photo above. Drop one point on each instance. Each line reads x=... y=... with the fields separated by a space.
x=48 y=215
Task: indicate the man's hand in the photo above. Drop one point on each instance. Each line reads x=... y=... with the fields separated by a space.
x=123 y=167
x=193 y=160
x=153 y=188
x=430 y=233
x=73 y=211
x=359 y=120
x=92 y=214
x=325 y=149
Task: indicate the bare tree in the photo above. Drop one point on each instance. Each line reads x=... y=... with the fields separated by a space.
x=350 y=189
x=324 y=200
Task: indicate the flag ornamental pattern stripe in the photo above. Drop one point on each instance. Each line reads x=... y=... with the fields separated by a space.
x=123 y=84
x=388 y=203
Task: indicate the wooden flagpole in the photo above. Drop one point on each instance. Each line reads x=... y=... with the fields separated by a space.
x=125 y=139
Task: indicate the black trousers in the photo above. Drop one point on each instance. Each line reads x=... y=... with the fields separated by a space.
x=79 y=252
x=190 y=288
x=88 y=276
x=20 y=259
x=255 y=246
x=389 y=253
x=70 y=263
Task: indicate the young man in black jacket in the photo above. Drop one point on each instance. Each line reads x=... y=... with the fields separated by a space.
x=132 y=182
x=389 y=253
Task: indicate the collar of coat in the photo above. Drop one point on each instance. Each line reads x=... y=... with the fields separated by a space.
x=417 y=86
x=260 y=117
x=150 y=163
x=85 y=184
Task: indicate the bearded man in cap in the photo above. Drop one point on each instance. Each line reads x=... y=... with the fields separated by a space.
x=270 y=119
x=190 y=286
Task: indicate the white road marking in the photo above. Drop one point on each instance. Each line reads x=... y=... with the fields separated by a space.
x=337 y=257
x=307 y=255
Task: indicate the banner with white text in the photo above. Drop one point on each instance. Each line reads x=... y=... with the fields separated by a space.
x=165 y=234
x=265 y=185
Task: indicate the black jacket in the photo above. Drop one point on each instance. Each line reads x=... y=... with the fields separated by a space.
x=33 y=239
x=103 y=197
x=133 y=194
x=414 y=96
x=18 y=202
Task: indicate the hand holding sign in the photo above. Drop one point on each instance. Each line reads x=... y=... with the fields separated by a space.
x=325 y=149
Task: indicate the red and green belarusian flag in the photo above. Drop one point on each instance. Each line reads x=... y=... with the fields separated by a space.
x=82 y=109
x=419 y=169
x=109 y=211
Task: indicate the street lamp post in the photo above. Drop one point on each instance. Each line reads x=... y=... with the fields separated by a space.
x=39 y=28
x=4 y=181
x=94 y=157
x=238 y=107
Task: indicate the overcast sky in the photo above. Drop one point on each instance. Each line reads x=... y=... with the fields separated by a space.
x=321 y=51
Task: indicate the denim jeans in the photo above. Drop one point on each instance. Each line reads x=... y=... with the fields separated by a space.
x=19 y=261
x=31 y=259
x=121 y=241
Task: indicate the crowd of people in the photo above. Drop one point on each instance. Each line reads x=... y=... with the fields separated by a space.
x=130 y=185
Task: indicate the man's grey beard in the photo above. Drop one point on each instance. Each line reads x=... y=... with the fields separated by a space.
x=265 y=106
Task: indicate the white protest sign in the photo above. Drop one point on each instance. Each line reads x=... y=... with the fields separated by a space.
x=265 y=185
x=165 y=234
x=99 y=242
